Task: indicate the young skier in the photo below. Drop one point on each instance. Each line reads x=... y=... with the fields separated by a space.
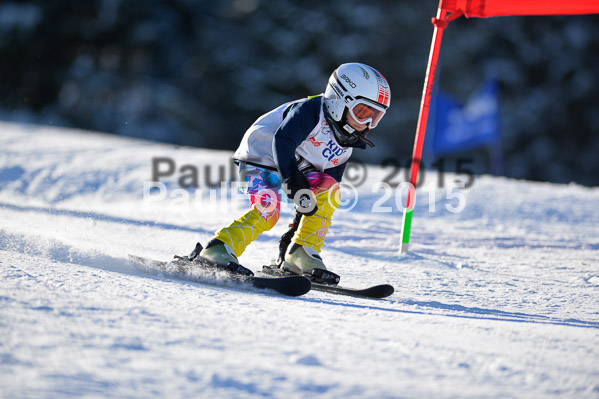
x=305 y=145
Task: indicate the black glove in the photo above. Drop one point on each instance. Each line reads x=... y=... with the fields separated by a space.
x=298 y=189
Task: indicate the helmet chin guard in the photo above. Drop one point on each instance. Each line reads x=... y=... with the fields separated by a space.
x=364 y=93
x=346 y=135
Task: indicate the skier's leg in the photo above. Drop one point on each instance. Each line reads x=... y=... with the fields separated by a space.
x=303 y=253
x=265 y=199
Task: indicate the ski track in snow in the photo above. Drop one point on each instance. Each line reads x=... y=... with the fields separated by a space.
x=499 y=300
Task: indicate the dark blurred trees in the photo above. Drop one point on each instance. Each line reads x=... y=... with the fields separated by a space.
x=199 y=72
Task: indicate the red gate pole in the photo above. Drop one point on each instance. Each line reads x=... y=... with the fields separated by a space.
x=440 y=22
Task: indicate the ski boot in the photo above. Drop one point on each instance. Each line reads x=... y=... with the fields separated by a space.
x=218 y=254
x=306 y=261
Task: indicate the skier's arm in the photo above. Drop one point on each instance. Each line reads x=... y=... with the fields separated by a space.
x=295 y=128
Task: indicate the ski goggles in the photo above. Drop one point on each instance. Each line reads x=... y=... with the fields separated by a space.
x=364 y=112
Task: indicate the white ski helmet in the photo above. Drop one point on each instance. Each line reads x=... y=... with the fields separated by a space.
x=366 y=95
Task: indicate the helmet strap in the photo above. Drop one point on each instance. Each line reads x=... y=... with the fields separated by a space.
x=361 y=137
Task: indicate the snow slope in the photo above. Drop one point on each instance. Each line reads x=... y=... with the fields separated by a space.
x=498 y=300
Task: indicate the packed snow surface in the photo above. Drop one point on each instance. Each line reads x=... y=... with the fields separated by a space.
x=498 y=296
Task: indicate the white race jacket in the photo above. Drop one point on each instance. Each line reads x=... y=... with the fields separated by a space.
x=319 y=150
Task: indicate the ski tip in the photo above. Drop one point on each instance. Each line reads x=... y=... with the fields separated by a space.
x=290 y=286
x=302 y=285
x=374 y=292
x=377 y=291
x=385 y=290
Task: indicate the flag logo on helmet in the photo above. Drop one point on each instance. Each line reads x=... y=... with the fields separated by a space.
x=384 y=93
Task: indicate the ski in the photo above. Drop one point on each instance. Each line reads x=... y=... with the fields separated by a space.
x=204 y=272
x=375 y=292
